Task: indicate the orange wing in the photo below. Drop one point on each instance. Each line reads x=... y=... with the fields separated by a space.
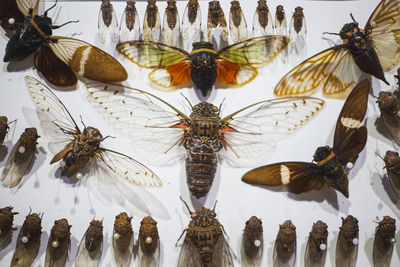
x=175 y=74
x=234 y=73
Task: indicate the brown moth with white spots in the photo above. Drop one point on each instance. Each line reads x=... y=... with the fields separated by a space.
x=392 y=165
x=149 y=243
x=262 y=21
x=152 y=22
x=217 y=31
x=384 y=242
x=91 y=246
x=59 y=244
x=316 y=245
x=107 y=23
x=347 y=243
x=237 y=23
x=191 y=25
x=252 y=243
x=6 y=222
x=171 y=25
x=129 y=28
x=285 y=246
x=122 y=240
x=280 y=21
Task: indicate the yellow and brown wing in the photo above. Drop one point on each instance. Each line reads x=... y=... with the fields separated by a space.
x=177 y=74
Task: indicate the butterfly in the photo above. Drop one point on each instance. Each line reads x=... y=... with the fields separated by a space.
x=372 y=50
x=349 y=141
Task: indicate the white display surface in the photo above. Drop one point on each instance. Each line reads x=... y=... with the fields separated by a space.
x=370 y=192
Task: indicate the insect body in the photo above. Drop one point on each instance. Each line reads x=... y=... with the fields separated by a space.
x=237 y=23
x=59 y=244
x=108 y=24
x=171 y=32
x=91 y=246
x=392 y=165
x=152 y=22
x=122 y=242
x=389 y=107
x=262 y=21
x=316 y=245
x=191 y=24
x=130 y=23
x=347 y=243
x=285 y=246
x=217 y=32
x=384 y=242
x=4 y=127
x=149 y=243
x=6 y=222
x=280 y=21
x=252 y=243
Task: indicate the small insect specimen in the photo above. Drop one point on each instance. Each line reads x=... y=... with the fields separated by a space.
x=4 y=127
x=57 y=58
x=91 y=246
x=384 y=242
x=21 y=158
x=123 y=240
x=129 y=28
x=233 y=65
x=152 y=22
x=6 y=222
x=237 y=23
x=347 y=243
x=285 y=245
x=330 y=163
x=191 y=25
x=171 y=31
x=392 y=165
x=390 y=113
x=108 y=24
x=149 y=243
x=28 y=241
x=297 y=30
x=316 y=246
x=59 y=244
x=280 y=21
x=262 y=21
x=252 y=243
x=217 y=32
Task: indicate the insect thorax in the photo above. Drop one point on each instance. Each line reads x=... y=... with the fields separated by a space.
x=354 y=38
x=392 y=161
x=298 y=19
x=387 y=103
x=203 y=67
x=215 y=13
x=326 y=159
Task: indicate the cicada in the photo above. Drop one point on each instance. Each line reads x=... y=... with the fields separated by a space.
x=237 y=23
x=91 y=246
x=152 y=22
x=240 y=138
x=285 y=245
x=57 y=58
x=297 y=31
x=129 y=28
x=336 y=70
x=392 y=165
x=4 y=127
x=280 y=21
x=6 y=222
x=389 y=107
x=252 y=243
x=170 y=31
x=59 y=244
x=122 y=241
x=107 y=23
x=217 y=32
x=316 y=245
x=149 y=243
x=262 y=21
x=232 y=65
x=347 y=243
x=191 y=24
x=330 y=162
x=384 y=242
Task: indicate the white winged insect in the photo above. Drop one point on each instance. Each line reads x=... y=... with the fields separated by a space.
x=217 y=31
x=152 y=22
x=108 y=24
x=280 y=21
x=237 y=23
x=297 y=31
x=129 y=28
x=191 y=25
x=170 y=30
x=262 y=21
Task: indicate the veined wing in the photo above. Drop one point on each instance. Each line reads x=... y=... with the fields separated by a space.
x=223 y=254
x=189 y=256
x=385 y=17
x=26 y=5
x=17 y=10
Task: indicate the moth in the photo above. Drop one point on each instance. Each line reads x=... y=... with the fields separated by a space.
x=91 y=246
x=330 y=162
x=122 y=242
x=6 y=222
x=316 y=245
x=389 y=107
x=107 y=23
x=191 y=24
x=241 y=138
x=217 y=32
x=252 y=243
x=280 y=21
x=59 y=59
x=237 y=23
x=109 y=172
x=4 y=127
x=28 y=241
x=347 y=243
x=297 y=30
x=171 y=30
x=149 y=243
x=262 y=21
x=152 y=22
x=338 y=69
x=285 y=246
x=59 y=244
x=392 y=165
x=21 y=158
x=384 y=242
x=232 y=65
x=129 y=28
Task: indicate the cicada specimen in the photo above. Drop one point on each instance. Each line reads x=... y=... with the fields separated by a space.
x=152 y=22
x=191 y=24
x=252 y=243
x=107 y=23
x=389 y=107
x=384 y=242
x=4 y=127
x=57 y=58
x=149 y=243
x=171 y=30
x=129 y=28
x=285 y=245
x=217 y=31
x=122 y=242
x=297 y=31
x=317 y=245
x=91 y=246
x=59 y=244
x=280 y=21
x=262 y=21
x=6 y=222
x=241 y=138
x=347 y=243
x=392 y=165
x=237 y=23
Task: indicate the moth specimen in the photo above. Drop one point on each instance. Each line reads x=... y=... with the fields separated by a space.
x=107 y=23
x=149 y=243
x=330 y=163
x=392 y=165
x=191 y=24
x=240 y=138
x=280 y=21
x=6 y=222
x=122 y=242
x=91 y=246
x=390 y=111
x=129 y=28
x=20 y=159
x=57 y=58
x=171 y=31
x=152 y=22
x=262 y=21
x=336 y=70
x=237 y=23
x=59 y=244
x=28 y=241
x=317 y=245
x=109 y=171
x=384 y=242
x=285 y=246
x=252 y=243
x=347 y=243
x=232 y=65
x=217 y=32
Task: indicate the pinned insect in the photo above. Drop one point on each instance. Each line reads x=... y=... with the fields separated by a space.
x=59 y=244
x=6 y=222
x=149 y=243
x=123 y=239
x=28 y=241
x=252 y=243
x=298 y=30
x=108 y=24
x=330 y=163
x=285 y=246
x=390 y=113
x=280 y=21
x=384 y=242
x=191 y=24
x=316 y=245
x=152 y=22
x=171 y=31
x=237 y=23
x=4 y=127
x=347 y=243
x=392 y=165
x=57 y=58
x=91 y=246
x=21 y=158
x=262 y=21
x=233 y=65
x=129 y=28
x=217 y=32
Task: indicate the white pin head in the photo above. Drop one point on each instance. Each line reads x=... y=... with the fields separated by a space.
x=63 y=164
x=21 y=149
x=116 y=236
x=54 y=244
x=24 y=239
x=79 y=176
x=322 y=246
x=355 y=241
x=11 y=21
x=257 y=243
x=398 y=113
x=349 y=165
x=149 y=240
x=393 y=240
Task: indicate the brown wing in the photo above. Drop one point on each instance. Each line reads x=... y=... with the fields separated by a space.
x=298 y=176
x=189 y=256
x=392 y=124
x=352 y=145
x=9 y=9
x=222 y=255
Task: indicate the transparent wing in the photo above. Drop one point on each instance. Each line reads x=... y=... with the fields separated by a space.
x=86 y=258
x=171 y=34
x=129 y=27
x=151 y=26
x=191 y=26
x=108 y=27
x=222 y=255
x=262 y=23
x=190 y=256
x=149 y=261
x=26 y=5
x=238 y=32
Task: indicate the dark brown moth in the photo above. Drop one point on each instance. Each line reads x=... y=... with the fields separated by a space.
x=384 y=242
x=171 y=27
x=390 y=113
x=217 y=31
x=330 y=162
x=28 y=241
x=280 y=21
x=107 y=23
x=347 y=243
x=149 y=243
x=237 y=23
x=59 y=244
x=285 y=246
x=122 y=241
x=21 y=158
x=392 y=165
x=152 y=22
x=129 y=28
x=262 y=21
x=191 y=24
x=316 y=245
x=6 y=222
x=252 y=243
x=91 y=246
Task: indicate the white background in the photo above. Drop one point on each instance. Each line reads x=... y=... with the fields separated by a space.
x=370 y=193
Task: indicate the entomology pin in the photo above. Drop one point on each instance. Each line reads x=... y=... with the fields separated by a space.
x=58 y=244
x=280 y=21
x=285 y=245
x=347 y=243
x=262 y=21
x=384 y=241
x=130 y=24
x=152 y=22
x=217 y=31
x=91 y=246
x=171 y=27
x=6 y=222
x=237 y=23
x=316 y=246
x=123 y=239
x=149 y=243
x=108 y=24
x=191 y=25
x=252 y=243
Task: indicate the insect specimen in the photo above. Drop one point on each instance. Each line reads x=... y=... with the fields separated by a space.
x=6 y=222
x=237 y=23
x=336 y=70
x=21 y=158
x=252 y=243
x=280 y=21
x=384 y=242
x=392 y=165
x=217 y=32
x=285 y=245
x=297 y=30
x=91 y=246
x=57 y=58
x=316 y=246
x=233 y=65
x=149 y=243
x=330 y=163
x=4 y=127
x=28 y=241
x=123 y=239
x=108 y=24
x=191 y=24
x=171 y=31
x=109 y=170
x=262 y=21
x=59 y=244
x=240 y=138
x=390 y=112
x=152 y=22
x=347 y=243
x=129 y=28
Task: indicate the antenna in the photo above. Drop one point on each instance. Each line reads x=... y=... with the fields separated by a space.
x=59 y=26
x=189 y=104
x=186 y=205
x=45 y=13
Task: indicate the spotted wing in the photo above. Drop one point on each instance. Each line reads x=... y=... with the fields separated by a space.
x=333 y=70
x=222 y=255
x=190 y=256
